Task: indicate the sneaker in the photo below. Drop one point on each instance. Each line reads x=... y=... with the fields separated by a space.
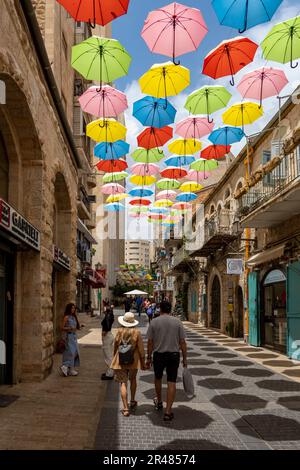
x=64 y=370
x=157 y=404
x=73 y=372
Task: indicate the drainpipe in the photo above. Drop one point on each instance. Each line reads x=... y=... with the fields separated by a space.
x=247 y=163
x=41 y=52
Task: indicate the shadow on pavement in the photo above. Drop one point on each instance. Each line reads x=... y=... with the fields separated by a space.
x=222 y=355
x=292 y=403
x=220 y=384
x=279 y=385
x=180 y=395
x=192 y=444
x=184 y=418
x=239 y=401
x=253 y=372
x=270 y=427
x=204 y=371
x=236 y=363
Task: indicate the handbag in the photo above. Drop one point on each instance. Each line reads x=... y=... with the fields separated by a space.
x=188 y=383
x=61 y=346
x=126 y=353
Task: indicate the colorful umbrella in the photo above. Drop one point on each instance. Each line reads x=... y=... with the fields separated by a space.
x=262 y=83
x=181 y=160
x=140 y=202
x=174 y=30
x=156 y=216
x=185 y=146
x=142 y=180
x=95 y=11
x=137 y=214
x=197 y=175
x=112 y=188
x=173 y=172
x=145 y=169
x=186 y=197
x=100 y=59
x=147 y=156
x=140 y=192
x=153 y=137
x=229 y=57
x=194 y=127
x=204 y=165
x=242 y=113
x=207 y=100
x=167 y=183
x=282 y=44
x=244 y=14
x=107 y=102
x=116 y=197
x=164 y=80
x=158 y=210
x=154 y=112
x=107 y=130
x=189 y=187
x=167 y=222
x=166 y=194
x=112 y=177
x=111 y=150
x=111 y=166
x=163 y=203
x=114 y=207
x=139 y=209
x=215 y=152
x=178 y=206
x=226 y=135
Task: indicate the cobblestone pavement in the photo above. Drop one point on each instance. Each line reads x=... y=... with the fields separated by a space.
x=238 y=403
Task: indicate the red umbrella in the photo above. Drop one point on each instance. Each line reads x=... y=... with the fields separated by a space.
x=214 y=152
x=173 y=172
x=95 y=11
x=153 y=137
x=229 y=57
x=140 y=202
x=112 y=166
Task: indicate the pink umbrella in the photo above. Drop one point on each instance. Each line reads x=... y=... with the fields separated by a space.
x=174 y=30
x=104 y=102
x=262 y=83
x=181 y=205
x=198 y=175
x=138 y=214
x=194 y=127
x=112 y=188
x=166 y=194
x=145 y=169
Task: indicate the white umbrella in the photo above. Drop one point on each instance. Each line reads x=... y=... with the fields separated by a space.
x=136 y=292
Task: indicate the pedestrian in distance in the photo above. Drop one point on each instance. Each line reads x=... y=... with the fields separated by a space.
x=129 y=339
x=139 y=304
x=166 y=337
x=127 y=304
x=108 y=341
x=70 y=358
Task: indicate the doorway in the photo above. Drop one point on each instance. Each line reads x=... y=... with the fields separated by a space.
x=6 y=317
x=216 y=303
x=239 y=323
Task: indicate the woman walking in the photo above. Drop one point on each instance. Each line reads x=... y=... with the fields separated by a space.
x=70 y=357
x=130 y=340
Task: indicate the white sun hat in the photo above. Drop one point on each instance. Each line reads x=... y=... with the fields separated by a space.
x=128 y=320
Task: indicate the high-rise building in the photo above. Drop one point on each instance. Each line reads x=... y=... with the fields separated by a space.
x=137 y=252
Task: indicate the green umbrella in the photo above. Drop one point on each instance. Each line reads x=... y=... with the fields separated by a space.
x=201 y=164
x=137 y=209
x=282 y=44
x=111 y=177
x=168 y=183
x=207 y=100
x=100 y=59
x=147 y=156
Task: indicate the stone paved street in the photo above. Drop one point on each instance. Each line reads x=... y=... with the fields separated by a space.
x=238 y=403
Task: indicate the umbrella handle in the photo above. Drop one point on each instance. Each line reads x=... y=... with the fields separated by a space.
x=176 y=63
x=241 y=31
x=102 y=127
x=160 y=151
x=232 y=81
x=293 y=66
x=210 y=120
x=92 y=25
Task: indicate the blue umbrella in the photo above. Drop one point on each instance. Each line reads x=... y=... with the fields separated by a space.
x=226 y=135
x=154 y=112
x=158 y=210
x=244 y=14
x=186 y=197
x=111 y=150
x=114 y=207
x=140 y=192
x=179 y=160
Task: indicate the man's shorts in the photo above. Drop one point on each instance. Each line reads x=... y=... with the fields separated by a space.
x=123 y=375
x=168 y=360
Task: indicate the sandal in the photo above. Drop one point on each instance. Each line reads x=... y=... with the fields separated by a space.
x=168 y=417
x=133 y=405
x=158 y=404
x=125 y=413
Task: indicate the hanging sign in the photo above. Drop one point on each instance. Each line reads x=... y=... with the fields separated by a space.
x=60 y=258
x=235 y=266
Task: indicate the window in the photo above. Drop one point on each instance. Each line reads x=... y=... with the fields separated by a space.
x=266 y=157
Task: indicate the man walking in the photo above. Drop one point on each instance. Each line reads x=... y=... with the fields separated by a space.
x=166 y=336
x=108 y=341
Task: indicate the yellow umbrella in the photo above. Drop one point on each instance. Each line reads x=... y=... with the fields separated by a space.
x=107 y=130
x=185 y=146
x=163 y=203
x=116 y=197
x=190 y=187
x=164 y=80
x=142 y=180
x=242 y=113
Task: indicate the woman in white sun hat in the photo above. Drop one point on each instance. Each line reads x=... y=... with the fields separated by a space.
x=129 y=356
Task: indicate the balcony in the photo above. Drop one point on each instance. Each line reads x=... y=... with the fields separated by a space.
x=91 y=221
x=181 y=262
x=276 y=197
x=83 y=206
x=91 y=181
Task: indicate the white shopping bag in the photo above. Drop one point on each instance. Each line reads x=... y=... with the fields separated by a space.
x=188 y=383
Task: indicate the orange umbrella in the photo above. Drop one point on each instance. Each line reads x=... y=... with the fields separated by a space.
x=154 y=137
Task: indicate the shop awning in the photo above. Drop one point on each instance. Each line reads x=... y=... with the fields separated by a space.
x=94 y=279
x=83 y=228
x=266 y=255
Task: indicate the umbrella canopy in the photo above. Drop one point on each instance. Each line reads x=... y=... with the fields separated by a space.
x=229 y=57
x=140 y=192
x=117 y=176
x=95 y=12
x=181 y=206
x=194 y=127
x=197 y=175
x=167 y=183
x=140 y=202
x=137 y=209
x=204 y=165
x=180 y=160
x=164 y=80
x=167 y=222
x=154 y=112
x=100 y=59
x=226 y=135
x=136 y=292
x=114 y=207
x=186 y=197
x=137 y=215
x=242 y=113
x=158 y=210
x=262 y=83
x=282 y=44
x=111 y=150
x=189 y=187
x=145 y=169
x=185 y=146
x=207 y=100
x=166 y=194
x=156 y=216
x=142 y=180
x=116 y=197
x=154 y=137
x=215 y=152
x=163 y=203
x=107 y=130
x=147 y=156
x=112 y=188
x=111 y=166
x=107 y=102
x=173 y=172
x=244 y=14
x=174 y=30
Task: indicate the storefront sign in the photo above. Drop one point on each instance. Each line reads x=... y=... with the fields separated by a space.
x=61 y=258
x=18 y=226
x=235 y=266
x=274 y=276
x=170 y=282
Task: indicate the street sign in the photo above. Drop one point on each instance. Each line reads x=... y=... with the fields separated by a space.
x=235 y=266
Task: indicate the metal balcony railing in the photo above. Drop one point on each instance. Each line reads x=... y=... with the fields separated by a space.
x=219 y=223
